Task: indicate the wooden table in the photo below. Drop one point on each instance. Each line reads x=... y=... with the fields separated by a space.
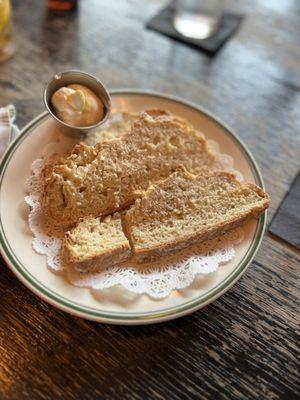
x=243 y=346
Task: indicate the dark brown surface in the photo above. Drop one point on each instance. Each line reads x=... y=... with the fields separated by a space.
x=244 y=345
x=286 y=222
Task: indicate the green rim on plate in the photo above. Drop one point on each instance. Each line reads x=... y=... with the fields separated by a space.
x=117 y=317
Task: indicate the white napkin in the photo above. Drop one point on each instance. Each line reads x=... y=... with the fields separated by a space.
x=8 y=130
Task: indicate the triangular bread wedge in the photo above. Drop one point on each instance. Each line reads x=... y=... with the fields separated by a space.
x=102 y=179
x=186 y=209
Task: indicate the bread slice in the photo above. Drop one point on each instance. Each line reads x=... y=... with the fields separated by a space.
x=102 y=179
x=120 y=126
x=95 y=240
x=186 y=209
x=171 y=215
x=116 y=129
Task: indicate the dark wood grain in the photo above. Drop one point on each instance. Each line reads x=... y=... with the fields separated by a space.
x=243 y=346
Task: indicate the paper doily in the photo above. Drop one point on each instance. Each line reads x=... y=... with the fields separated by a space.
x=156 y=279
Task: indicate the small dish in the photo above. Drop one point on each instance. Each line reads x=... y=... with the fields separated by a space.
x=70 y=77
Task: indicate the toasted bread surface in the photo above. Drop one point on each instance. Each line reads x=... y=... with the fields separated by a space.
x=171 y=215
x=93 y=239
x=186 y=209
x=102 y=179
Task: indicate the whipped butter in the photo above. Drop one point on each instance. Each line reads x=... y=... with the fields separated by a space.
x=77 y=105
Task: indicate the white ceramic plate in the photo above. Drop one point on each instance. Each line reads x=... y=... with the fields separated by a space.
x=115 y=305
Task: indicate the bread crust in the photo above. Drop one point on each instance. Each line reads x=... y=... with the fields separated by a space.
x=103 y=259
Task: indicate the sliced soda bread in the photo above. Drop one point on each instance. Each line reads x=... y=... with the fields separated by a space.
x=93 y=239
x=102 y=179
x=171 y=215
x=186 y=209
x=115 y=130
x=120 y=126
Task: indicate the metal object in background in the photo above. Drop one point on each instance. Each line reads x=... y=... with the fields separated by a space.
x=66 y=78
